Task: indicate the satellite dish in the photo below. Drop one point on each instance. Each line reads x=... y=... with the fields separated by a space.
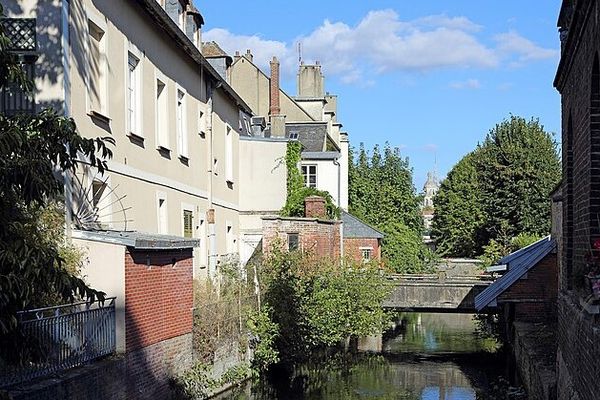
x=96 y=205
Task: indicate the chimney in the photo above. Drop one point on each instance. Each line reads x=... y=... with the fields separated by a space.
x=310 y=81
x=236 y=56
x=314 y=207
x=249 y=55
x=274 y=108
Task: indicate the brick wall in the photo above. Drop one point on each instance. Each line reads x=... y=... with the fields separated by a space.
x=579 y=85
x=538 y=292
x=140 y=374
x=318 y=237
x=352 y=248
x=159 y=296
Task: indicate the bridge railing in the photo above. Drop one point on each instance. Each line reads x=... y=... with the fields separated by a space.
x=440 y=277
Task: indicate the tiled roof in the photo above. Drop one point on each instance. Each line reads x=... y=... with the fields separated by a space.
x=212 y=49
x=519 y=263
x=355 y=228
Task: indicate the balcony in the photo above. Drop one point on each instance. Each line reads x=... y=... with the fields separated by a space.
x=22 y=42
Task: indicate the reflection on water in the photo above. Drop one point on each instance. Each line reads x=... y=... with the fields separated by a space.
x=427 y=357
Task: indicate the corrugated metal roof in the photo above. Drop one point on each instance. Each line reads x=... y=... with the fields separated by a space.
x=519 y=263
x=138 y=240
x=355 y=228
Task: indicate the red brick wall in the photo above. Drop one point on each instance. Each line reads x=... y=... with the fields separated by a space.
x=352 y=248
x=541 y=287
x=158 y=296
x=321 y=238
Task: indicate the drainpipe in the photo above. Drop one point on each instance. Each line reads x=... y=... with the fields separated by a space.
x=210 y=215
x=339 y=203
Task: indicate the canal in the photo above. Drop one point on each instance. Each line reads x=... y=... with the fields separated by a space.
x=426 y=357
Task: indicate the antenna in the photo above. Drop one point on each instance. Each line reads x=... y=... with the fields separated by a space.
x=300 y=53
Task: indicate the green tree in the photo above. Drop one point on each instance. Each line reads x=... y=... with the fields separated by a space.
x=32 y=149
x=499 y=191
x=518 y=168
x=381 y=193
x=459 y=216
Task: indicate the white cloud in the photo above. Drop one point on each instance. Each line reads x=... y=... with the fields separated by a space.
x=383 y=43
x=520 y=49
x=430 y=148
x=468 y=84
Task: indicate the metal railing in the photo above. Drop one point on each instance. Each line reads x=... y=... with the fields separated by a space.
x=22 y=42
x=21 y=34
x=64 y=337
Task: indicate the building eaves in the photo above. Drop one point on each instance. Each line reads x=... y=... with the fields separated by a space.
x=320 y=155
x=155 y=10
x=519 y=263
x=355 y=228
x=138 y=240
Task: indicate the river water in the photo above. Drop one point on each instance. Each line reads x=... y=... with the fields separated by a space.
x=426 y=357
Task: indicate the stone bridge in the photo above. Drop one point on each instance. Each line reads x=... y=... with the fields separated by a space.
x=435 y=293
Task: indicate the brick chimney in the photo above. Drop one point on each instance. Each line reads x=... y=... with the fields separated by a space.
x=274 y=107
x=249 y=55
x=314 y=207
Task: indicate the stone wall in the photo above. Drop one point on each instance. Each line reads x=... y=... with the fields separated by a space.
x=141 y=374
x=318 y=237
x=578 y=351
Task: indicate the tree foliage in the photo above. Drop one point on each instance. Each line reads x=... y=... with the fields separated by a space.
x=33 y=148
x=459 y=217
x=316 y=303
x=499 y=191
x=381 y=193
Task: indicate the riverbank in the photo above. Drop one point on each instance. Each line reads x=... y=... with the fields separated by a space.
x=534 y=347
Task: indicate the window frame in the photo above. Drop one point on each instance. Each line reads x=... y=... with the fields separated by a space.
x=229 y=155
x=306 y=175
x=161 y=108
x=134 y=87
x=368 y=249
x=98 y=83
x=181 y=122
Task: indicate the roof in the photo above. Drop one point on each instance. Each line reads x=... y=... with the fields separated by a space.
x=212 y=49
x=320 y=155
x=519 y=263
x=312 y=135
x=355 y=228
x=138 y=240
x=281 y=91
x=165 y=22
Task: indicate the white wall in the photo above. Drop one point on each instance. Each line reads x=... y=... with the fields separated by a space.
x=104 y=269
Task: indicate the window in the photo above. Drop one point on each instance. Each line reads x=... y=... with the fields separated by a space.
x=202 y=236
x=293 y=241
x=181 y=126
x=229 y=155
x=162 y=127
x=188 y=223
x=215 y=166
x=97 y=69
x=162 y=214
x=366 y=253
x=309 y=172
x=133 y=95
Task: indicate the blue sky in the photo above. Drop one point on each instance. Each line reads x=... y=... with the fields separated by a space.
x=431 y=77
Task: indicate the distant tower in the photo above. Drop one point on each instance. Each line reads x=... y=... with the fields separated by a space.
x=430 y=189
